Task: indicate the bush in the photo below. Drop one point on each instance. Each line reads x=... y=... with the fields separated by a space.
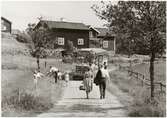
x=23 y=38
x=67 y=59
x=42 y=53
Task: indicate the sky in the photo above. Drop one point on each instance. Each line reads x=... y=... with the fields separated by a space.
x=20 y=13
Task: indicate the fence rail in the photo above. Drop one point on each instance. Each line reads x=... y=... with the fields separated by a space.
x=142 y=78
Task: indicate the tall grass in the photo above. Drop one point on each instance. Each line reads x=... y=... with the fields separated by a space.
x=141 y=105
x=26 y=101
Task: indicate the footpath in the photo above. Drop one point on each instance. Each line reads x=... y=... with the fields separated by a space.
x=75 y=104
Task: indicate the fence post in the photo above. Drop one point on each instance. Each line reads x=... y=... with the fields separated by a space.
x=137 y=75
x=19 y=94
x=45 y=64
x=161 y=86
x=143 y=81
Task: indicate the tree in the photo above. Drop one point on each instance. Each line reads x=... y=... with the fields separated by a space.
x=142 y=21
x=30 y=28
x=39 y=38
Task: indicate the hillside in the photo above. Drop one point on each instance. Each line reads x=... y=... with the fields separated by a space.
x=14 y=54
x=10 y=46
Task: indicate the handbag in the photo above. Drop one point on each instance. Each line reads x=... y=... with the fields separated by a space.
x=81 y=87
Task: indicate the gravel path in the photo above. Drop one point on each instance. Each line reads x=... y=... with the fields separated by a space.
x=75 y=104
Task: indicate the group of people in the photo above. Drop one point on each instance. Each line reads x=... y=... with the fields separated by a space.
x=99 y=78
x=91 y=76
x=55 y=72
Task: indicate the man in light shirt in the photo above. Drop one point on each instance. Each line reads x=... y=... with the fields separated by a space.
x=104 y=78
x=105 y=72
x=53 y=69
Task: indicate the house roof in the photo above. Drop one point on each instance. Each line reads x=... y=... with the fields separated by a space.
x=65 y=25
x=6 y=20
x=102 y=31
x=93 y=29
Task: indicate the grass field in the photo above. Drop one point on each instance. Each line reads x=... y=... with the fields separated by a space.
x=160 y=70
x=17 y=74
x=17 y=77
x=136 y=97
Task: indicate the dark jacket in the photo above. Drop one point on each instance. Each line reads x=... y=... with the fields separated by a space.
x=98 y=78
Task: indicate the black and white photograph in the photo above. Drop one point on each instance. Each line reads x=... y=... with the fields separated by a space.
x=85 y=58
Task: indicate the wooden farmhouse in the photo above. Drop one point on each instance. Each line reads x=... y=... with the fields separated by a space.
x=78 y=33
x=6 y=25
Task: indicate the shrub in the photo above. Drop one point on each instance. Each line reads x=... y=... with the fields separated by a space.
x=23 y=38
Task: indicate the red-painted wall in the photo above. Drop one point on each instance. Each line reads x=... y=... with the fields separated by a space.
x=72 y=35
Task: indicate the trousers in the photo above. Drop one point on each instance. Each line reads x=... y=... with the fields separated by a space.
x=102 y=87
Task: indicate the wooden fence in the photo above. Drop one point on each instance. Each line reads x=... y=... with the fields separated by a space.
x=142 y=78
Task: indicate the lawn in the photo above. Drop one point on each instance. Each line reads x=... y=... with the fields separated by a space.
x=17 y=73
x=160 y=70
x=19 y=97
x=137 y=97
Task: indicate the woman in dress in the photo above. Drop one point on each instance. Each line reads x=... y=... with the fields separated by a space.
x=66 y=77
x=88 y=82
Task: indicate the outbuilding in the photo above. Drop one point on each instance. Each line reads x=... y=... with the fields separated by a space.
x=6 y=25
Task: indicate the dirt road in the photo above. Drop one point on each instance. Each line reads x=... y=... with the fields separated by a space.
x=75 y=104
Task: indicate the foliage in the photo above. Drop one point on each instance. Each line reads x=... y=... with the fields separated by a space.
x=30 y=28
x=136 y=23
x=139 y=22
x=23 y=37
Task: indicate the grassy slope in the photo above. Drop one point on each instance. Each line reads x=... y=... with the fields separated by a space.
x=134 y=96
x=17 y=67
x=160 y=70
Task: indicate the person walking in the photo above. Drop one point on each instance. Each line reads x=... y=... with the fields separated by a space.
x=53 y=71
x=100 y=79
x=67 y=77
x=88 y=82
x=105 y=77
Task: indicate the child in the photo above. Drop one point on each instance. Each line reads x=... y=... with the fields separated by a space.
x=59 y=74
x=37 y=75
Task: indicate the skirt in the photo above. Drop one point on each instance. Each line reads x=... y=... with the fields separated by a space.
x=88 y=83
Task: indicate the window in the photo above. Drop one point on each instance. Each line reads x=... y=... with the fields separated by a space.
x=105 y=44
x=60 y=41
x=80 y=41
